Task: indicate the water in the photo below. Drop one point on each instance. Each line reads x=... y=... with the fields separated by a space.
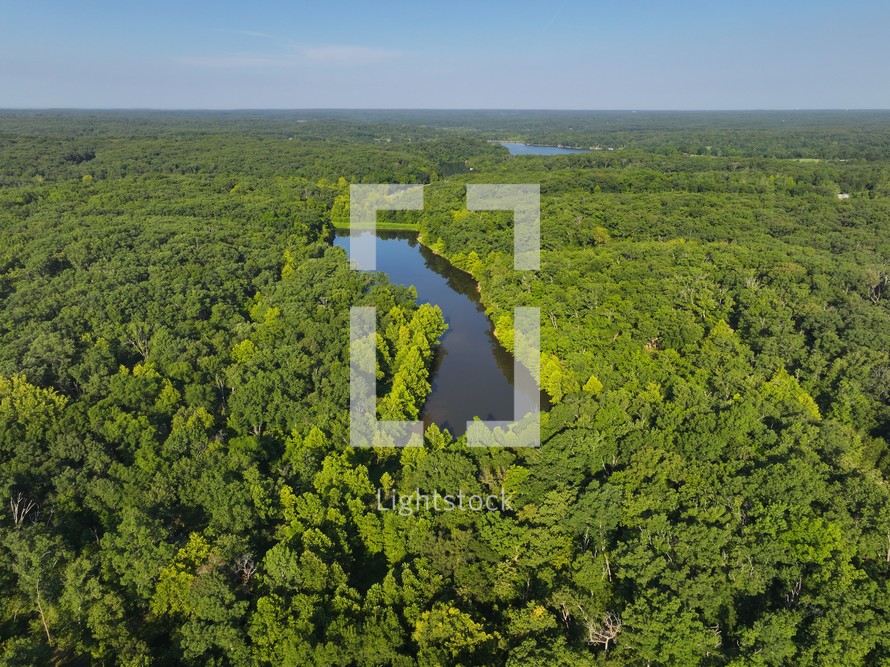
x=527 y=149
x=472 y=374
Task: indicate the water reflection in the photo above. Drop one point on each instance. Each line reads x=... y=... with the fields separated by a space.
x=472 y=374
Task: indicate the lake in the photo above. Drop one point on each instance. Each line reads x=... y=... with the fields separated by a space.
x=527 y=149
x=472 y=374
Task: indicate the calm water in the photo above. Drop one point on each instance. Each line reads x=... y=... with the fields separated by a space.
x=472 y=374
x=526 y=149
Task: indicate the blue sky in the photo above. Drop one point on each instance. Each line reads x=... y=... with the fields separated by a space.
x=561 y=54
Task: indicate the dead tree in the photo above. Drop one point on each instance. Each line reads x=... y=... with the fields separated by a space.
x=878 y=281
x=21 y=507
x=602 y=632
x=605 y=632
x=245 y=566
x=137 y=338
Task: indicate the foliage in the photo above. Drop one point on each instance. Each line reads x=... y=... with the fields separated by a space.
x=174 y=378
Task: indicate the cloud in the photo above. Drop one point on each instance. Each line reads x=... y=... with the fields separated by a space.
x=255 y=33
x=343 y=55
x=348 y=55
x=249 y=33
x=242 y=60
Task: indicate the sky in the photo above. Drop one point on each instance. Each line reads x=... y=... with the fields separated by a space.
x=558 y=54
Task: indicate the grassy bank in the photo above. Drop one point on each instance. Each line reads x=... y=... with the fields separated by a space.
x=385 y=226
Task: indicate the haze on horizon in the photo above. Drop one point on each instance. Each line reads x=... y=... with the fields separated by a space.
x=561 y=55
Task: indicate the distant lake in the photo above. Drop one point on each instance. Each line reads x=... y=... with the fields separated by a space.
x=527 y=149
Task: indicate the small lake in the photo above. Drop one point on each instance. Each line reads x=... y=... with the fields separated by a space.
x=527 y=149
x=472 y=374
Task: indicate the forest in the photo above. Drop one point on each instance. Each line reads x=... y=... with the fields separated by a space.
x=177 y=485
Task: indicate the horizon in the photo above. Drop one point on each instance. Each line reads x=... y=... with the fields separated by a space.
x=461 y=109
x=649 y=56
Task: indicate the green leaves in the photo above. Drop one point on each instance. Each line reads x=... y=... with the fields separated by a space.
x=446 y=634
x=177 y=482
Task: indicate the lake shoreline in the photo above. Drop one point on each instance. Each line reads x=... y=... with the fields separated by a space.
x=380 y=226
x=558 y=149
x=473 y=372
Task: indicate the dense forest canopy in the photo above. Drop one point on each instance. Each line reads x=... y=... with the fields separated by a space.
x=175 y=471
